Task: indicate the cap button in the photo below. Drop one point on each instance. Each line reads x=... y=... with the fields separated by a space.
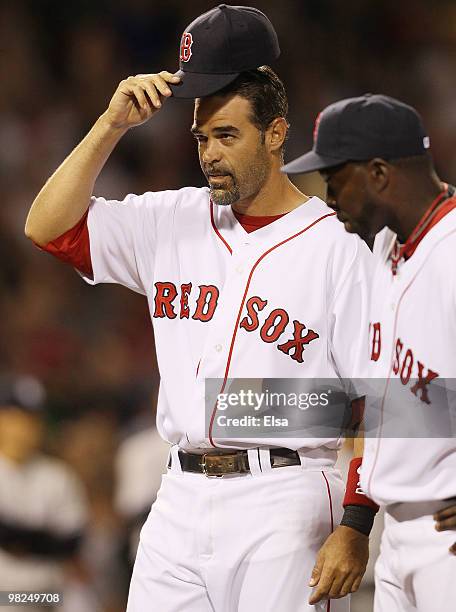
x=222 y=6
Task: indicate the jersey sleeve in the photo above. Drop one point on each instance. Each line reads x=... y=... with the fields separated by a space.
x=119 y=245
x=115 y=242
x=123 y=234
x=349 y=312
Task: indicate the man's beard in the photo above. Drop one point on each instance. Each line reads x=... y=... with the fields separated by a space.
x=226 y=196
x=251 y=181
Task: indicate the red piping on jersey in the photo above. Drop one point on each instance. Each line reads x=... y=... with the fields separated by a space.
x=330 y=501
x=438 y=209
x=233 y=338
x=328 y=605
x=377 y=450
x=216 y=230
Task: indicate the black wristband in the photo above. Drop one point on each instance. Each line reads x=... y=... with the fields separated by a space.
x=360 y=518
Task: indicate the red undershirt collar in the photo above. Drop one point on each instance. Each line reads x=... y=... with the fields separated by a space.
x=439 y=207
x=250 y=223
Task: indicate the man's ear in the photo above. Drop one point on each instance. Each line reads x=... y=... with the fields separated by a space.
x=379 y=173
x=276 y=133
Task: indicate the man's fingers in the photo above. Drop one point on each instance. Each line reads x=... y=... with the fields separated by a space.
x=349 y=584
x=336 y=587
x=449 y=523
x=137 y=98
x=446 y=518
x=445 y=513
x=132 y=87
x=140 y=97
x=345 y=584
x=162 y=86
x=152 y=93
x=323 y=588
x=153 y=84
x=168 y=76
x=355 y=585
x=316 y=572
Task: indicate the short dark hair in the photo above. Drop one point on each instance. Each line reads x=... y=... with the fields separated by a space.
x=265 y=92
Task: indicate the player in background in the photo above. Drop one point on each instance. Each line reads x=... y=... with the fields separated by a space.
x=43 y=506
x=373 y=153
x=248 y=278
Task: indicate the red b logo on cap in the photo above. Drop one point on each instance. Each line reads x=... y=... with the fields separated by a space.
x=186 y=47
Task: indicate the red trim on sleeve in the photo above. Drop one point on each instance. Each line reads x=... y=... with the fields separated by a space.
x=73 y=247
x=354 y=495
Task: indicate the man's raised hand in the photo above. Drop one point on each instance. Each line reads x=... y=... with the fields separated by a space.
x=139 y=97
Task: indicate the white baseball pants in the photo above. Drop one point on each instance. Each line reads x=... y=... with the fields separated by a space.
x=242 y=543
x=415 y=572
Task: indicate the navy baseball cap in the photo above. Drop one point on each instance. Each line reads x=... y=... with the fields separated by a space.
x=359 y=129
x=220 y=44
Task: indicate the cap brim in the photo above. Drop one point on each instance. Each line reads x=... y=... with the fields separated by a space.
x=311 y=162
x=198 y=85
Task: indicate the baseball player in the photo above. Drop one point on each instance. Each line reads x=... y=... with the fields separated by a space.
x=43 y=508
x=373 y=152
x=245 y=278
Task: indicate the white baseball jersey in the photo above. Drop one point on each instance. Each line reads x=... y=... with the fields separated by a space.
x=289 y=300
x=412 y=346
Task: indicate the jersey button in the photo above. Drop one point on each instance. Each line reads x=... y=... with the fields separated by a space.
x=218 y=348
x=239 y=269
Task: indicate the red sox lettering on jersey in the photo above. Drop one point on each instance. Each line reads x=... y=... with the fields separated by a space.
x=288 y=300
x=271 y=330
x=166 y=293
x=411 y=349
x=404 y=364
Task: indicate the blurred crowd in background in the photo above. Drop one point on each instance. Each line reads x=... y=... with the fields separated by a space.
x=91 y=349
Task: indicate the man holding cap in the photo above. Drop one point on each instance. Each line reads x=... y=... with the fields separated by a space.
x=248 y=278
x=373 y=153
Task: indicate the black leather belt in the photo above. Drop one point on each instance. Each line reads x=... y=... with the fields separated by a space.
x=237 y=462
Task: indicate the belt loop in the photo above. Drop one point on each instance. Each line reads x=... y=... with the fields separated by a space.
x=175 y=462
x=254 y=461
x=265 y=459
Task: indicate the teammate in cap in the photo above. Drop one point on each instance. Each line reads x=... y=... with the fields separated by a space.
x=248 y=278
x=373 y=152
